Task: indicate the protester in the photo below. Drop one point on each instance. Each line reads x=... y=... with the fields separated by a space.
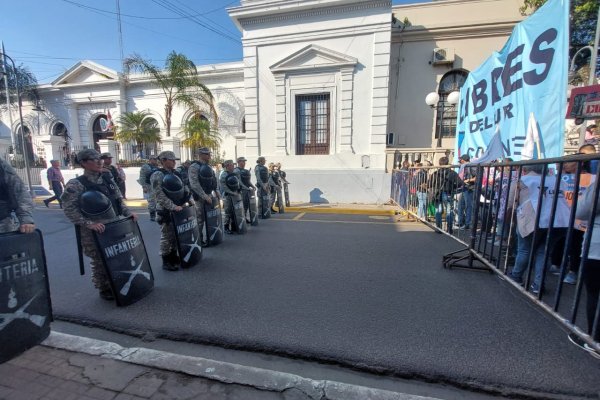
x=591 y=268
x=419 y=183
x=465 y=198
x=532 y=238
x=443 y=184
x=591 y=135
x=56 y=182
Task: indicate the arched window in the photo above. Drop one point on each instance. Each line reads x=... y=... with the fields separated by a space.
x=102 y=129
x=450 y=82
x=60 y=130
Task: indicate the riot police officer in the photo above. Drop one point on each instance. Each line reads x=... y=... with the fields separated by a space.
x=16 y=206
x=90 y=201
x=145 y=172
x=230 y=185
x=246 y=183
x=170 y=194
x=262 y=183
x=276 y=193
x=285 y=183
x=203 y=183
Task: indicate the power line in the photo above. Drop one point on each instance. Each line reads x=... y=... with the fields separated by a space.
x=177 y=10
x=234 y=33
x=84 y=6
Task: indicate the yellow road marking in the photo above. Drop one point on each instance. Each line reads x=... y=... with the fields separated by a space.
x=297 y=217
x=338 y=222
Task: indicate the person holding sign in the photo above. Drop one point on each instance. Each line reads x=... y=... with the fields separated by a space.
x=14 y=198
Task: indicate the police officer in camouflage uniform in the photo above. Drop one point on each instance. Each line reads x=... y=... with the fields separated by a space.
x=244 y=177
x=75 y=200
x=284 y=183
x=262 y=182
x=16 y=206
x=230 y=195
x=200 y=187
x=164 y=205
x=145 y=172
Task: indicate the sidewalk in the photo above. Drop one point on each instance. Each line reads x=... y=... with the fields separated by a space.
x=68 y=367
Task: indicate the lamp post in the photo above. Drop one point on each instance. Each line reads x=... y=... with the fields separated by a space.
x=433 y=100
x=24 y=149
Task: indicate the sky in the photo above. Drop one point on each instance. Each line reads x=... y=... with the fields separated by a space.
x=50 y=36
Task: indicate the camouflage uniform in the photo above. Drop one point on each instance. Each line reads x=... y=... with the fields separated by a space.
x=245 y=196
x=263 y=187
x=168 y=241
x=12 y=185
x=70 y=199
x=145 y=173
x=228 y=197
x=194 y=179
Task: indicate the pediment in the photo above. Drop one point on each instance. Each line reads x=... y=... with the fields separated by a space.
x=86 y=72
x=313 y=57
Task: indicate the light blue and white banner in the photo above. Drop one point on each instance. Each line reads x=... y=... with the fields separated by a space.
x=526 y=81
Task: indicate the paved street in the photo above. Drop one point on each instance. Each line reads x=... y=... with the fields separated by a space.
x=355 y=290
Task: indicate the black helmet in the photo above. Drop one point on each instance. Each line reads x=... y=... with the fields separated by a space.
x=96 y=206
x=207 y=178
x=233 y=182
x=246 y=176
x=173 y=187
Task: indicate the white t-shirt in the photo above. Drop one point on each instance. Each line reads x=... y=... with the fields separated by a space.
x=531 y=194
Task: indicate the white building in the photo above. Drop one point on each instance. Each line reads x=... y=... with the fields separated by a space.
x=332 y=89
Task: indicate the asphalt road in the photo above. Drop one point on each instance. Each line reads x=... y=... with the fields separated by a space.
x=354 y=290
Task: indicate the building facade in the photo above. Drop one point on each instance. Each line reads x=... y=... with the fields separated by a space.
x=332 y=89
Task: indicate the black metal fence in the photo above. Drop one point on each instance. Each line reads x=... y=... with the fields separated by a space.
x=530 y=222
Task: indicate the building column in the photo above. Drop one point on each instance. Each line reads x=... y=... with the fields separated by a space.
x=53 y=147
x=108 y=146
x=281 y=147
x=74 y=125
x=251 y=101
x=172 y=144
x=347 y=89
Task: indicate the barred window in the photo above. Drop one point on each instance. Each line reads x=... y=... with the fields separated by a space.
x=450 y=82
x=312 y=124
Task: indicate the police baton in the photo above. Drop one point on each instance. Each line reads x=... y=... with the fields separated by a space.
x=79 y=249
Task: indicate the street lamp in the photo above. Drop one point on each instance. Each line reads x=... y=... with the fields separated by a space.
x=433 y=100
x=25 y=158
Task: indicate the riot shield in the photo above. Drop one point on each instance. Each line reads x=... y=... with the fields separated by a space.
x=126 y=261
x=286 y=194
x=252 y=208
x=25 y=308
x=238 y=215
x=214 y=221
x=265 y=204
x=188 y=236
x=279 y=200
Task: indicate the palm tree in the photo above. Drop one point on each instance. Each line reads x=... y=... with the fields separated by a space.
x=178 y=81
x=138 y=128
x=199 y=133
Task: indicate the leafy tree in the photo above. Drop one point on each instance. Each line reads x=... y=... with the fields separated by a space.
x=178 y=81
x=137 y=127
x=26 y=80
x=199 y=133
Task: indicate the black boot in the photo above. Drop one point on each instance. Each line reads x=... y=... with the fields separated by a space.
x=152 y=215
x=175 y=260
x=168 y=264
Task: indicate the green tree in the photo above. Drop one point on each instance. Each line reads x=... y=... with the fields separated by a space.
x=198 y=133
x=26 y=80
x=179 y=83
x=137 y=127
x=583 y=18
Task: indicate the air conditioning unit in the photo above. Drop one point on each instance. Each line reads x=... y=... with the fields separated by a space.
x=442 y=56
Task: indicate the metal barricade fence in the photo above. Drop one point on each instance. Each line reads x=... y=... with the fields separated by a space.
x=530 y=222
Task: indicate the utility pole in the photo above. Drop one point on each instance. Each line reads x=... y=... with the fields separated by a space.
x=4 y=72
x=592 y=78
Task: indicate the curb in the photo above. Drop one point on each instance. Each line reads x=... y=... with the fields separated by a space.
x=259 y=378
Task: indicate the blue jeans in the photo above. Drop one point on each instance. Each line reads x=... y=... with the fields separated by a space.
x=444 y=203
x=524 y=250
x=422 y=207
x=465 y=207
